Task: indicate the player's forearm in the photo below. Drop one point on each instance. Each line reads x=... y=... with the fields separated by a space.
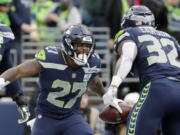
x=10 y=74
x=121 y=72
x=124 y=64
x=97 y=86
x=26 y=69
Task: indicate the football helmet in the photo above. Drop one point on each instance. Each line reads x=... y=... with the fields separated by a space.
x=78 y=43
x=138 y=16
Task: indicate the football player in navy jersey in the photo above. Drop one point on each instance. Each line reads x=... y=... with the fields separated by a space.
x=64 y=74
x=154 y=56
x=12 y=89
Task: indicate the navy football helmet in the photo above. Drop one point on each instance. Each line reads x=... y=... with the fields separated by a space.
x=138 y=16
x=78 y=35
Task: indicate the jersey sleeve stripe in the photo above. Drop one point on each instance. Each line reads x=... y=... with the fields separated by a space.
x=122 y=36
x=53 y=66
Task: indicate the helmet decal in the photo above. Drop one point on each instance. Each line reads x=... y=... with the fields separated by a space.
x=138 y=16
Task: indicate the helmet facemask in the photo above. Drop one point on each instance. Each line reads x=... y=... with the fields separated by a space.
x=78 y=43
x=79 y=49
x=82 y=53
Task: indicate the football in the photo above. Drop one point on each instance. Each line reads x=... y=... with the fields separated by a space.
x=111 y=115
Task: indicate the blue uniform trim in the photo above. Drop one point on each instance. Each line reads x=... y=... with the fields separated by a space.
x=136 y=110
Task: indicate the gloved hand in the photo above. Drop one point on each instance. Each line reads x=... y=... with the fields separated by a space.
x=3 y=83
x=21 y=102
x=109 y=98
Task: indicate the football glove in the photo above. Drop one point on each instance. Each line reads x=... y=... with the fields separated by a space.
x=31 y=123
x=3 y=83
x=21 y=102
x=109 y=98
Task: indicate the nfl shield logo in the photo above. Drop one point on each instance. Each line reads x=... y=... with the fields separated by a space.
x=73 y=75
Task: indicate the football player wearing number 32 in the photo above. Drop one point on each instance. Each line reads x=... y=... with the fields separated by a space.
x=154 y=56
x=64 y=74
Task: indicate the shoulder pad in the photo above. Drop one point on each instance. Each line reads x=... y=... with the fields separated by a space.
x=118 y=35
x=95 y=60
x=5 y=34
x=47 y=54
x=122 y=36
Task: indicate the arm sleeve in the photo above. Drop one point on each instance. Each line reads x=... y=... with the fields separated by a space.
x=14 y=87
x=124 y=63
x=120 y=37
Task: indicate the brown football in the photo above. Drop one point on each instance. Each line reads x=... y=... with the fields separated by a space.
x=111 y=115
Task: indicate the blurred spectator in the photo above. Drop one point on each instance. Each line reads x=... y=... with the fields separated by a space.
x=65 y=14
x=173 y=14
x=160 y=12
x=40 y=11
x=20 y=17
x=5 y=6
x=91 y=115
x=135 y=2
x=114 y=11
x=93 y=12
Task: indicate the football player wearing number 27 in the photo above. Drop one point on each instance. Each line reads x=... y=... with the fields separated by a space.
x=64 y=74
x=154 y=56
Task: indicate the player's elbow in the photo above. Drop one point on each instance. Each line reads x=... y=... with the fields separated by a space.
x=127 y=58
x=18 y=72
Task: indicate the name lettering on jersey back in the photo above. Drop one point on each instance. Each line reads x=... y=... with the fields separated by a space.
x=151 y=30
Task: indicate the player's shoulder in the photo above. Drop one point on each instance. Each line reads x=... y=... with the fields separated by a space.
x=123 y=35
x=94 y=64
x=48 y=54
x=95 y=60
x=6 y=34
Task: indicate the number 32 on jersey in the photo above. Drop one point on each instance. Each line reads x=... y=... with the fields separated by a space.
x=157 y=46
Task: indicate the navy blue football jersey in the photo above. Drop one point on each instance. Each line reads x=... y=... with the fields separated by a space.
x=61 y=86
x=158 y=53
x=6 y=36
